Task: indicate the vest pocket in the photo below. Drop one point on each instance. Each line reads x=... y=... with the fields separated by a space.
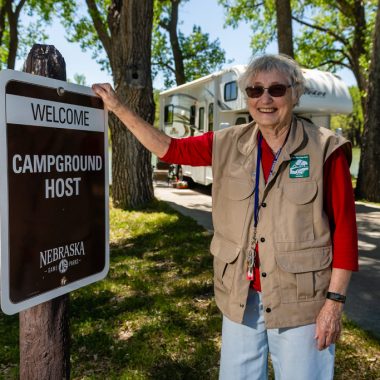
x=295 y=212
x=231 y=207
x=304 y=275
x=225 y=256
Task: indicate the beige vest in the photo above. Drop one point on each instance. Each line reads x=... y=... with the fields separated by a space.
x=293 y=230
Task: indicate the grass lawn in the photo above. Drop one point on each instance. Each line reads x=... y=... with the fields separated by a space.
x=154 y=316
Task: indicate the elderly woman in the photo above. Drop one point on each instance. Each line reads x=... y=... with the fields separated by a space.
x=281 y=188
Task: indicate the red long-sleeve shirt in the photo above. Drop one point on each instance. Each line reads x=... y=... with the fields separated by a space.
x=338 y=201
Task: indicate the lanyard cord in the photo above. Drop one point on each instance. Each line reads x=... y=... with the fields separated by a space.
x=251 y=257
x=258 y=163
x=257 y=180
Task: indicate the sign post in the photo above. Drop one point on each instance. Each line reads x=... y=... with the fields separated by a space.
x=54 y=199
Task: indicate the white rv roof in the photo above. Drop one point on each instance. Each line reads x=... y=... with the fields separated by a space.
x=324 y=91
x=194 y=82
x=238 y=69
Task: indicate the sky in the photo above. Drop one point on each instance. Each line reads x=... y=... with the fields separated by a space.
x=206 y=13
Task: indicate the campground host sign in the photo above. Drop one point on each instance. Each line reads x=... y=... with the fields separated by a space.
x=54 y=189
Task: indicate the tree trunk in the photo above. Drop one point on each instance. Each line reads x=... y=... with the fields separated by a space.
x=131 y=23
x=126 y=38
x=176 y=48
x=13 y=12
x=13 y=35
x=3 y=12
x=359 y=49
x=44 y=329
x=368 y=184
x=284 y=27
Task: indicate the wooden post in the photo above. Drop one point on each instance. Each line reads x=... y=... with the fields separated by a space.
x=44 y=329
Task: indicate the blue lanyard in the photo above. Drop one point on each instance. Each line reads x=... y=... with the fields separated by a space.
x=258 y=164
x=257 y=180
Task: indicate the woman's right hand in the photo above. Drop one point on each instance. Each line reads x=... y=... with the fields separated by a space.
x=153 y=139
x=108 y=95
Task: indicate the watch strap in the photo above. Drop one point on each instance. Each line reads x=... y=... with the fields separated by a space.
x=336 y=297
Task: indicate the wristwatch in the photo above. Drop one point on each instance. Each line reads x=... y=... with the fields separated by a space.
x=336 y=297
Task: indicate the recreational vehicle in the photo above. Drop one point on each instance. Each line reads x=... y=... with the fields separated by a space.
x=215 y=102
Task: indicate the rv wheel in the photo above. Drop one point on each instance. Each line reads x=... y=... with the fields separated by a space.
x=180 y=177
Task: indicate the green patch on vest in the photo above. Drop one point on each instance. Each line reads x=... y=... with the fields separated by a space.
x=299 y=167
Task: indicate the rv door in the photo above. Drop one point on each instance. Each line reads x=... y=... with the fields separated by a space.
x=198 y=173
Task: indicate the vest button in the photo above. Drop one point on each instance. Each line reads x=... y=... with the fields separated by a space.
x=264 y=204
x=268 y=309
x=264 y=274
x=262 y=240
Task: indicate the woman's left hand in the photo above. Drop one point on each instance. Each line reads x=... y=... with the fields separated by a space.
x=328 y=324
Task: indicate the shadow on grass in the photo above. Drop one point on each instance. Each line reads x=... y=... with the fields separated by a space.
x=167 y=243
x=90 y=308
x=172 y=347
x=153 y=317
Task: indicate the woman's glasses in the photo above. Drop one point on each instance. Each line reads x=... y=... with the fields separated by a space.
x=275 y=90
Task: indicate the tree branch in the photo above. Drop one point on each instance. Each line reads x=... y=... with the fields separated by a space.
x=348 y=57
x=245 y=8
x=320 y=28
x=344 y=7
x=163 y=25
x=332 y=62
x=161 y=63
x=99 y=26
x=18 y=8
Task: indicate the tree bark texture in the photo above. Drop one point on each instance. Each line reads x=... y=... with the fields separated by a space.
x=127 y=42
x=284 y=27
x=131 y=68
x=368 y=184
x=44 y=329
x=44 y=341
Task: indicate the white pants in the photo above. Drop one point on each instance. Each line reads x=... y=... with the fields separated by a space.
x=293 y=351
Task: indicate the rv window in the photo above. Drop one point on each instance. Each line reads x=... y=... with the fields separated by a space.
x=230 y=91
x=211 y=117
x=201 y=119
x=192 y=115
x=169 y=111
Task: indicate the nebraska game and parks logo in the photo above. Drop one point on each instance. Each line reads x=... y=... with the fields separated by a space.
x=299 y=167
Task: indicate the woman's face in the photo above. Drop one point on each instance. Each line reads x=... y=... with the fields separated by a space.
x=267 y=110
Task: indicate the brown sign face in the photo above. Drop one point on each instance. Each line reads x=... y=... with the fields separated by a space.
x=56 y=189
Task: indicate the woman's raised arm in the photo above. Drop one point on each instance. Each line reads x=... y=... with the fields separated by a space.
x=153 y=139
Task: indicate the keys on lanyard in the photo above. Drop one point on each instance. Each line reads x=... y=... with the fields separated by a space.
x=251 y=257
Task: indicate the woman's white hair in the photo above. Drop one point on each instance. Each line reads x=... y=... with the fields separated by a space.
x=275 y=62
